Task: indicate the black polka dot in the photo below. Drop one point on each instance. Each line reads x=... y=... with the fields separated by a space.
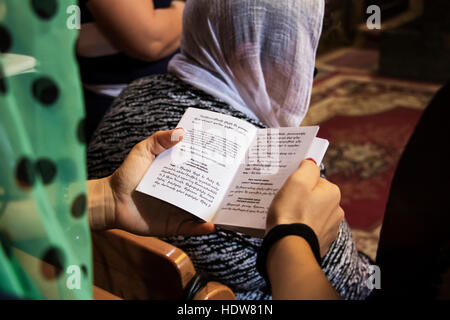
x=3 y=87
x=81 y=131
x=84 y=270
x=54 y=257
x=78 y=206
x=5 y=39
x=46 y=169
x=45 y=9
x=25 y=174
x=5 y=243
x=45 y=91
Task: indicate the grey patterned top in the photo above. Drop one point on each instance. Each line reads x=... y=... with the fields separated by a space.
x=158 y=103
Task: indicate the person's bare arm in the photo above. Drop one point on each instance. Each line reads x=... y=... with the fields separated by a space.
x=305 y=198
x=139 y=30
x=295 y=274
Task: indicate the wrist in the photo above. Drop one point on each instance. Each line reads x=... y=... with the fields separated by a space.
x=286 y=248
x=279 y=221
x=291 y=232
x=101 y=204
x=290 y=252
x=294 y=272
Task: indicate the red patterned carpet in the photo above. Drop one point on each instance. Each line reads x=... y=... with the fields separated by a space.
x=363 y=157
x=368 y=120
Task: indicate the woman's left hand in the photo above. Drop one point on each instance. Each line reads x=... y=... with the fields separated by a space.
x=114 y=203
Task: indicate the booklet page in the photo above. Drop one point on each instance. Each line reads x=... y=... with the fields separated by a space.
x=272 y=157
x=196 y=173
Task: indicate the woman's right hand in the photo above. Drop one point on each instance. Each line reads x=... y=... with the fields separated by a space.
x=309 y=199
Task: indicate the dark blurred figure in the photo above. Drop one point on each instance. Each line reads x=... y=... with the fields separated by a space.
x=419 y=49
x=414 y=248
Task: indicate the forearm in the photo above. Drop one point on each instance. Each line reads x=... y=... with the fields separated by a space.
x=100 y=204
x=137 y=28
x=295 y=274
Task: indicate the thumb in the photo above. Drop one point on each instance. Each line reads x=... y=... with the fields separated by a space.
x=163 y=140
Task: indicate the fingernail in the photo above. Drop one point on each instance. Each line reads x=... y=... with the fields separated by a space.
x=177 y=134
x=311 y=159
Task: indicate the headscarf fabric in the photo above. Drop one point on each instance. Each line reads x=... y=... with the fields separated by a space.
x=256 y=55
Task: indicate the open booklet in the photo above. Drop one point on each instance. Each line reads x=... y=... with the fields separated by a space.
x=227 y=171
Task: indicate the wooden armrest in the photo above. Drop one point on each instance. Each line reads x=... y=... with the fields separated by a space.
x=100 y=294
x=136 y=267
x=215 y=291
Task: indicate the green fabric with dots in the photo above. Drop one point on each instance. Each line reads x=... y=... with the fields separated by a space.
x=43 y=214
